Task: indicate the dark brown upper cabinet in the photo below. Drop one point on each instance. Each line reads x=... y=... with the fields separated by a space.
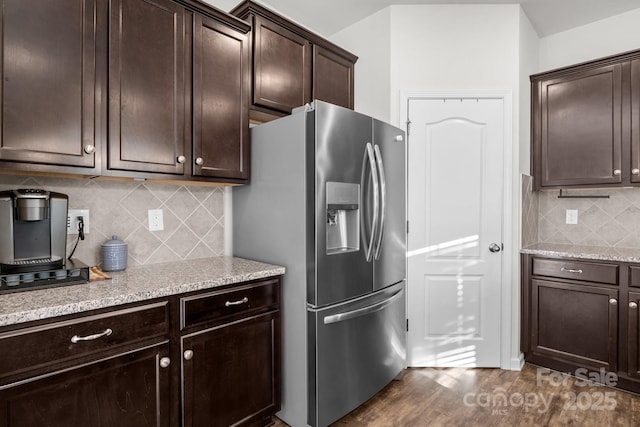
x=292 y=66
x=146 y=87
x=332 y=77
x=221 y=88
x=635 y=121
x=281 y=67
x=583 y=121
x=48 y=92
x=154 y=89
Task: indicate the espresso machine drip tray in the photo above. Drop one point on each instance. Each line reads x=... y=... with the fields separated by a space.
x=72 y=272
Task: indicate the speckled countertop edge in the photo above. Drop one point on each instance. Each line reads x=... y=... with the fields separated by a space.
x=584 y=252
x=138 y=283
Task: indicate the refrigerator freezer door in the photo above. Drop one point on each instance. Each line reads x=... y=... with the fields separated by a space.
x=355 y=349
x=390 y=263
x=341 y=137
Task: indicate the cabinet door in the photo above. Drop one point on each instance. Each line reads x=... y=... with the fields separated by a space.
x=130 y=390
x=634 y=335
x=48 y=82
x=232 y=374
x=332 y=78
x=220 y=101
x=635 y=120
x=580 y=128
x=146 y=86
x=576 y=323
x=281 y=67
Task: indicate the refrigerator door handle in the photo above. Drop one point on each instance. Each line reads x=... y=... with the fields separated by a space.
x=383 y=199
x=341 y=317
x=368 y=244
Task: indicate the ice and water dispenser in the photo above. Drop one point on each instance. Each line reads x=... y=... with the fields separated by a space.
x=343 y=217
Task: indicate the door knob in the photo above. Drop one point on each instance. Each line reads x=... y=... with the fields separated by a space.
x=494 y=247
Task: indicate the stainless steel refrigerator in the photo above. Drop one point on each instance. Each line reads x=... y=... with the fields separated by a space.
x=327 y=201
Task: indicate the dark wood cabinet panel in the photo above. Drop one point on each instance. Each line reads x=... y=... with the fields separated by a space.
x=146 y=86
x=292 y=66
x=232 y=377
x=575 y=322
x=635 y=121
x=281 y=67
x=633 y=331
x=332 y=78
x=49 y=82
x=221 y=79
x=127 y=390
x=580 y=128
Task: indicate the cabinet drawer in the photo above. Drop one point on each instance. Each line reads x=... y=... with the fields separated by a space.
x=34 y=347
x=634 y=276
x=246 y=300
x=577 y=270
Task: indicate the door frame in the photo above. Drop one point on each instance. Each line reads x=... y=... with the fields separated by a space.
x=509 y=359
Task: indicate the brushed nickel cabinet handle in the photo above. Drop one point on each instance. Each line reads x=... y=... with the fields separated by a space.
x=635 y=171
x=188 y=354
x=617 y=172
x=239 y=302
x=165 y=362
x=571 y=270
x=199 y=161
x=613 y=301
x=89 y=149
x=633 y=305
x=181 y=159
x=105 y=333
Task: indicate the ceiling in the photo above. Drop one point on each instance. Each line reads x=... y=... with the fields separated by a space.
x=327 y=17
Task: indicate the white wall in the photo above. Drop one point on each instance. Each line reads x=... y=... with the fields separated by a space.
x=370 y=40
x=453 y=47
x=602 y=38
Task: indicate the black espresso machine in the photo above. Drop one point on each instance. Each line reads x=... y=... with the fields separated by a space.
x=33 y=241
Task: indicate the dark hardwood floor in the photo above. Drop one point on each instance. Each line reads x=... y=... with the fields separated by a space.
x=493 y=397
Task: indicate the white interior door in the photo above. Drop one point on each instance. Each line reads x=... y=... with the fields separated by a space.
x=455 y=210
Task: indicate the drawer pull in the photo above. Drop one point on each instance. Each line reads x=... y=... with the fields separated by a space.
x=571 y=270
x=633 y=305
x=613 y=301
x=188 y=354
x=165 y=362
x=106 y=333
x=239 y=302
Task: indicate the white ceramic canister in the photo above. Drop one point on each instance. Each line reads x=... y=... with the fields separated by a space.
x=114 y=255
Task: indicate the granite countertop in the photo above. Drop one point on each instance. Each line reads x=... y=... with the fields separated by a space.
x=586 y=252
x=137 y=283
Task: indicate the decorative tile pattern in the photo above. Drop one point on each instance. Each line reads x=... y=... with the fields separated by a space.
x=529 y=212
x=612 y=222
x=193 y=217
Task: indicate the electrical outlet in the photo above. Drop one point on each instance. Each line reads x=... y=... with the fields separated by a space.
x=571 y=216
x=156 y=222
x=72 y=220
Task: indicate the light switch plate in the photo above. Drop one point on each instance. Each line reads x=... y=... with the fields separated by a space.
x=572 y=216
x=156 y=222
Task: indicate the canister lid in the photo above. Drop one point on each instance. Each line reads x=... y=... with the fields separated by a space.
x=114 y=242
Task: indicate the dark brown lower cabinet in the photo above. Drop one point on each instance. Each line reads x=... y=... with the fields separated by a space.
x=633 y=331
x=575 y=322
x=230 y=373
x=582 y=316
x=126 y=390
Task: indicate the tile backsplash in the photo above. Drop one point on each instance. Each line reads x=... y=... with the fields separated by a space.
x=193 y=217
x=609 y=222
x=530 y=208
